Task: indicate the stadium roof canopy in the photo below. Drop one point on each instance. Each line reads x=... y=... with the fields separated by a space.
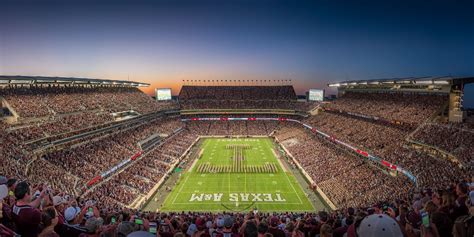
x=444 y=80
x=5 y=80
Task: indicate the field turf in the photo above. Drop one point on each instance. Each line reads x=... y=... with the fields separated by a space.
x=245 y=188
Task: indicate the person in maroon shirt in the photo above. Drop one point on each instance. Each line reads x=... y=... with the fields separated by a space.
x=25 y=213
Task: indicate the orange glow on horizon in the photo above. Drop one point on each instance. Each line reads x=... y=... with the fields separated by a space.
x=151 y=89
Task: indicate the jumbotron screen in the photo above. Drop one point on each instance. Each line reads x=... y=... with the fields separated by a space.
x=316 y=95
x=163 y=93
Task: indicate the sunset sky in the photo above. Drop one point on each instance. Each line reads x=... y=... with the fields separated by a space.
x=165 y=42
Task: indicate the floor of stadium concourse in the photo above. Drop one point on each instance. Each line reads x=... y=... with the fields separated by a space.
x=207 y=186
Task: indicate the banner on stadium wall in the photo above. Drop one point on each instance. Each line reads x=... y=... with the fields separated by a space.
x=134 y=157
x=389 y=165
x=121 y=164
x=408 y=174
x=94 y=180
x=239 y=119
x=363 y=116
x=332 y=138
x=374 y=158
x=115 y=168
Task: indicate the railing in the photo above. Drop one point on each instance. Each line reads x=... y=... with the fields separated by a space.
x=308 y=177
x=238 y=111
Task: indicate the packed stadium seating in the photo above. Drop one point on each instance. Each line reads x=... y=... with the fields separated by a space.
x=241 y=128
x=59 y=173
x=451 y=138
x=346 y=179
x=241 y=97
x=245 y=104
x=31 y=101
x=237 y=93
x=411 y=108
x=389 y=142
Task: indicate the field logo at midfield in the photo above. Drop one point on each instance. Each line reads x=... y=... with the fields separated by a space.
x=238 y=197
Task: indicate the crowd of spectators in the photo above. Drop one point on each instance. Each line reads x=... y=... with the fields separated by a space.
x=370 y=202
x=241 y=97
x=49 y=111
x=73 y=166
x=234 y=128
x=451 y=138
x=38 y=210
x=10 y=149
x=89 y=159
x=237 y=93
x=76 y=165
x=388 y=143
x=411 y=108
x=138 y=179
x=346 y=179
x=246 y=104
x=40 y=101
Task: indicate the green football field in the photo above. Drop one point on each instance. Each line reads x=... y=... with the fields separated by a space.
x=238 y=174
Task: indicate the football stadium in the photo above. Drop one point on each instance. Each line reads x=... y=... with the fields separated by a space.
x=238 y=150
x=236 y=118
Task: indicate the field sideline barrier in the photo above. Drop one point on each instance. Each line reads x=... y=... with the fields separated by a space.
x=155 y=188
x=306 y=175
x=325 y=135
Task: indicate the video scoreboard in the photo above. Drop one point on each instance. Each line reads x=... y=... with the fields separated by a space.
x=315 y=95
x=163 y=94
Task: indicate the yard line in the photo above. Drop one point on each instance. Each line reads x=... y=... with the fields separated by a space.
x=301 y=202
x=181 y=189
x=228 y=185
x=245 y=177
x=214 y=182
x=282 y=166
